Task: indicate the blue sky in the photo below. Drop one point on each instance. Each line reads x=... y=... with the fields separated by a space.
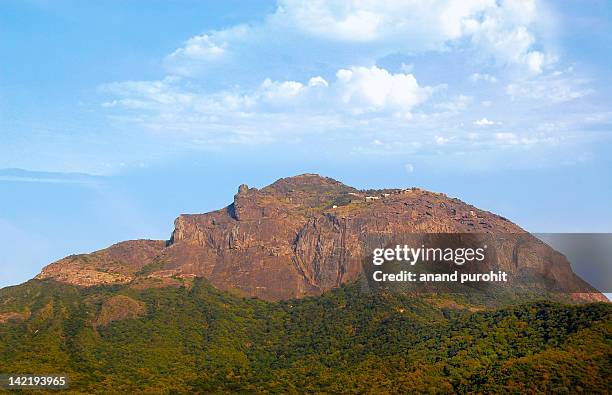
x=123 y=114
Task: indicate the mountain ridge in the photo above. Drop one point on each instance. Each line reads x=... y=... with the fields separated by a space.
x=299 y=236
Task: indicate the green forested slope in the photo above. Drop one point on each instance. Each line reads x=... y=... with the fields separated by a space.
x=198 y=339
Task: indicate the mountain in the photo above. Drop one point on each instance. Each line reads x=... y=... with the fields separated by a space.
x=179 y=316
x=304 y=235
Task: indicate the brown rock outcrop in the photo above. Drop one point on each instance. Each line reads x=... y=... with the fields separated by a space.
x=300 y=236
x=116 y=264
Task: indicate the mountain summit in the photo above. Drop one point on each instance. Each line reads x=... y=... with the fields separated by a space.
x=299 y=236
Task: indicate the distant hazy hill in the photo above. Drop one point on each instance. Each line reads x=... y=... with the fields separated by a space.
x=43 y=176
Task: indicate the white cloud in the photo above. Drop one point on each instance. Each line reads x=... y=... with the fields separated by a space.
x=501 y=30
x=505 y=136
x=272 y=91
x=340 y=21
x=483 y=77
x=272 y=108
x=147 y=94
x=556 y=87
x=200 y=47
x=455 y=105
x=513 y=139
x=356 y=90
x=201 y=50
x=317 y=81
x=506 y=32
x=374 y=89
x=314 y=67
x=485 y=122
x=409 y=168
x=441 y=140
x=535 y=61
x=500 y=26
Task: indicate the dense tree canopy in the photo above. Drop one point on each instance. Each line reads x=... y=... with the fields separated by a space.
x=197 y=339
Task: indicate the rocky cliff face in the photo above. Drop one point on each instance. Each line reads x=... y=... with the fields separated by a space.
x=299 y=236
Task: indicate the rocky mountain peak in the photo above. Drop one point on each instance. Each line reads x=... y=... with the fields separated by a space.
x=307 y=183
x=243 y=188
x=299 y=236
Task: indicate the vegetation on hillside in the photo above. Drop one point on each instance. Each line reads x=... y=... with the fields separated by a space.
x=199 y=339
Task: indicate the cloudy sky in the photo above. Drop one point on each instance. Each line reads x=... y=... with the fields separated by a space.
x=123 y=114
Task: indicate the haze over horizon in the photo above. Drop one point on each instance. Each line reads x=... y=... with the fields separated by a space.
x=167 y=109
